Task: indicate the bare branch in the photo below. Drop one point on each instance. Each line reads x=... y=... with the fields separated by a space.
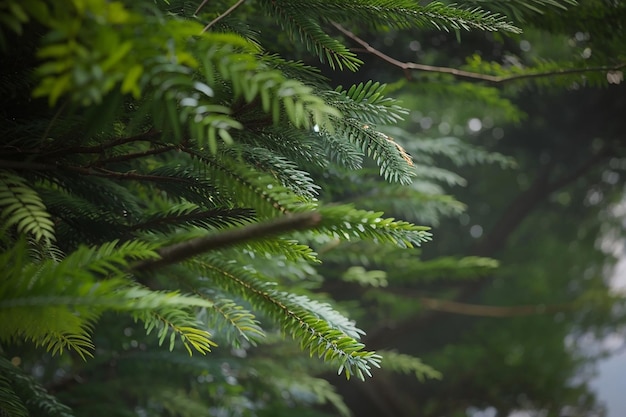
x=200 y=7
x=494 y=79
x=180 y=251
x=220 y=17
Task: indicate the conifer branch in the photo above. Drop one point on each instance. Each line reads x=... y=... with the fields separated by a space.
x=184 y=250
x=494 y=79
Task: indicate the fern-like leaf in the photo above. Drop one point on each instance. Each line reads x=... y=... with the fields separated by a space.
x=186 y=215
x=309 y=32
x=408 y=364
x=399 y=14
x=346 y=222
x=21 y=396
x=320 y=329
x=55 y=304
x=22 y=207
x=284 y=170
x=234 y=322
x=457 y=151
x=522 y=9
x=170 y=323
x=394 y=162
x=10 y=403
x=251 y=188
x=366 y=102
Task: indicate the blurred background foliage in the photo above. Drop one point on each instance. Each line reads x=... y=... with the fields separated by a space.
x=551 y=215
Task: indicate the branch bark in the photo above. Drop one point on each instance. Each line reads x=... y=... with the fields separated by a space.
x=179 y=252
x=494 y=79
x=220 y=17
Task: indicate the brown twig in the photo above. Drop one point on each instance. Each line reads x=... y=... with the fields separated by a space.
x=220 y=17
x=494 y=79
x=200 y=7
x=180 y=251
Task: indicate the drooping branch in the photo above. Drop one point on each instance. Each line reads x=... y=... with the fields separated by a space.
x=494 y=79
x=180 y=251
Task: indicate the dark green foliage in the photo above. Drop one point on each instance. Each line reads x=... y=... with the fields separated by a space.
x=160 y=133
x=21 y=396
